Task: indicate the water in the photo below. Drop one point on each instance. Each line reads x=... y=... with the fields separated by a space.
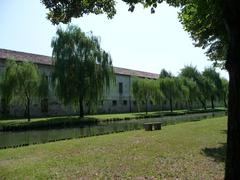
x=15 y=139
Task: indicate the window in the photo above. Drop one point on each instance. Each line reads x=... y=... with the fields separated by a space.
x=120 y=87
x=125 y=102
x=114 y=102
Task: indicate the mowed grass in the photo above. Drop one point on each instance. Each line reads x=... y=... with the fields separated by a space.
x=193 y=150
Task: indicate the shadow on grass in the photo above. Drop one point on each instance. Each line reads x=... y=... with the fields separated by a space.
x=218 y=153
x=224 y=131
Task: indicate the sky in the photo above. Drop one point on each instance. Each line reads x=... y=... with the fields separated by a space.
x=138 y=40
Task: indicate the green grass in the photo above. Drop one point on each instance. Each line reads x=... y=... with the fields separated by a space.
x=192 y=150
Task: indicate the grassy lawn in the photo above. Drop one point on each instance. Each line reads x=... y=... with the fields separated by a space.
x=193 y=150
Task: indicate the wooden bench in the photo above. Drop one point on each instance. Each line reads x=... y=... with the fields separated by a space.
x=152 y=126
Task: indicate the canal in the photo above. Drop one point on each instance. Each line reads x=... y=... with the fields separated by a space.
x=22 y=138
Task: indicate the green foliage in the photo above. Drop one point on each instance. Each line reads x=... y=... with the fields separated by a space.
x=172 y=89
x=28 y=79
x=193 y=74
x=63 y=11
x=204 y=21
x=164 y=73
x=224 y=93
x=215 y=81
x=145 y=91
x=8 y=85
x=82 y=70
x=191 y=90
x=20 y=84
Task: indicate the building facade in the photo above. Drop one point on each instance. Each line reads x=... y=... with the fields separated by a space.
x=117 y=100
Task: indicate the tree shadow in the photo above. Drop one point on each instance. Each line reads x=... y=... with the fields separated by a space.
x=218 y=153
x=224 y=131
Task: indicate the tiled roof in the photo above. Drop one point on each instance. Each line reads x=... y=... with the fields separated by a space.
x=46 y=60
x=21 y=56
x=131 y=72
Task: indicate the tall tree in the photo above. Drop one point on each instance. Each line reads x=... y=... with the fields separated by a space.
x=28 y=78
x=164 y=73
x=8 y=85
x=216 y=21
x=20 y=84
x=145 y=91
x=216 y=84
x=192 y=91
x=171 y=88
x=224 y=93
x=193 y=74
x=82 y=70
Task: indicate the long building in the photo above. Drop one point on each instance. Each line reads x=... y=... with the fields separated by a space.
x=117 y=100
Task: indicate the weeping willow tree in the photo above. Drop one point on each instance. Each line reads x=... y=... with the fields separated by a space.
x=172 y=89
x=145 y=91
x=19 y=85
x=28 y=78
x=192 y=91
x=215 y=80
x=82 y=69
x=8 y=85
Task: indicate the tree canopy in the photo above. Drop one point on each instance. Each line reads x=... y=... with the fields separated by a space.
x=204 y=20
x=20 y=84
x=216 y=86
x=8 y=85
x=82 y=70
x=164 y=73
x=145 y=91
x=28 y=78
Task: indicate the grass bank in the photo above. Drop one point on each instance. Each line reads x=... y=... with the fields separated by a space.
x=192 y=150
x=67 y=121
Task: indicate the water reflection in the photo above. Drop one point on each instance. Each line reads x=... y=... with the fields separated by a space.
x=14 y=139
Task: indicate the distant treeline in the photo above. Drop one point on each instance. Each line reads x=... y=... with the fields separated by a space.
x=189 y=87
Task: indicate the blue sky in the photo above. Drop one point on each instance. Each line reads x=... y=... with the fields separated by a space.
x=139 y=40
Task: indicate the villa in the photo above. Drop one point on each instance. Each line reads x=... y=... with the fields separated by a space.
x=116 y=101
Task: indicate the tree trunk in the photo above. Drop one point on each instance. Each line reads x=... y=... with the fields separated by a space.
x=225 y=103
x=171 y=106
x=146 y=107
x=203 y=102
x=204 y=105
x=212 y=102
x=81 y=111
x=233 y=135
x=28 y=109
x=5 y=107
x=190 y=105
x=232 y=16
